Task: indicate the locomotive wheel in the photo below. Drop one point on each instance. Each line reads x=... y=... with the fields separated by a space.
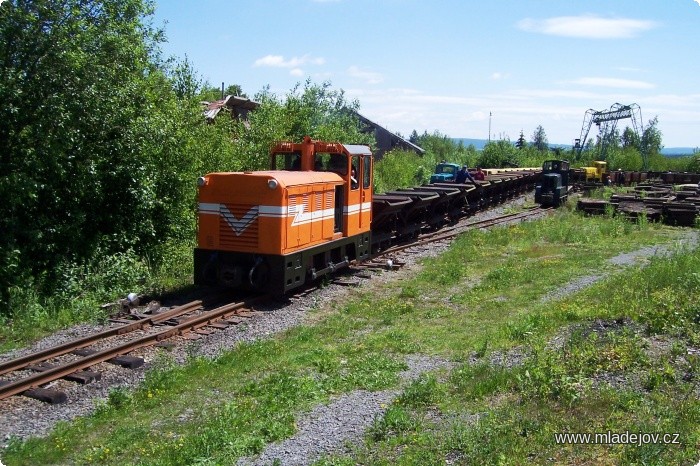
x=259 y=276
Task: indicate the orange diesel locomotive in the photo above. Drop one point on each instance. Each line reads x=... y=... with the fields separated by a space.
x=271 y=231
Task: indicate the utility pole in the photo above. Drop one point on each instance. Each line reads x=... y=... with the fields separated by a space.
x=489 y=126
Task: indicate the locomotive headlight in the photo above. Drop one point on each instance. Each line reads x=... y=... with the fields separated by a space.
x=201 y=181
x=272 y=184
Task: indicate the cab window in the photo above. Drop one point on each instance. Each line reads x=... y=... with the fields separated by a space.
x=338 y=163
x=320 y=162
x=354 y=173
x=286 y=161
x=367 y=172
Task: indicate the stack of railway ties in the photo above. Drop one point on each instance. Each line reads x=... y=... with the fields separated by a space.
x=673 y=198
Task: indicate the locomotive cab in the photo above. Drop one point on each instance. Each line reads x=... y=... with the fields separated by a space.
x=274 y=230
x=553 y=189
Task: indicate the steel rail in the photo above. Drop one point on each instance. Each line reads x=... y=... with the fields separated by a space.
x=40 y=378
x=59 y=350
x=470 y=226
x=442 y=231
x=491 y=222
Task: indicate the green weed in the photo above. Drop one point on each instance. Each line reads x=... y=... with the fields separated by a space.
x=396 y=420
x=487 y=414
x=424 y=391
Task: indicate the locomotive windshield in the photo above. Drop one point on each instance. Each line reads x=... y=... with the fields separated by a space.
x=548 y=166
x=323 y=161
x=286 y=161
x=336 y=163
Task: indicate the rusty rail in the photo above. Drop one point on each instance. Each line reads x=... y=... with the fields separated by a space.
x=442 y=235
x=55 y=351
x=38 y=379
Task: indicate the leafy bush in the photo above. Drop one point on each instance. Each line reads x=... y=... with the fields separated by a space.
x=398 y=169
x=101 y=159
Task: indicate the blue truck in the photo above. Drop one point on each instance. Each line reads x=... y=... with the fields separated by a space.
x=444 y=172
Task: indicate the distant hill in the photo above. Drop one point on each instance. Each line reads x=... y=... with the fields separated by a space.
x=667 y=151
x=477 y=143
x=677 y=151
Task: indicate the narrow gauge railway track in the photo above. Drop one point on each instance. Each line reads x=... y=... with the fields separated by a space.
x=70 y=346
x=458 y=229
x=178 y=321
x=26 y=384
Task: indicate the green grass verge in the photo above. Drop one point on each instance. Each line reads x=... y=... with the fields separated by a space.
x=83 y=289
x=484 y=294
x=625 y=362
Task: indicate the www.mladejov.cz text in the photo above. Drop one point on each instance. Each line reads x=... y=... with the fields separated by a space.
x=617 y=438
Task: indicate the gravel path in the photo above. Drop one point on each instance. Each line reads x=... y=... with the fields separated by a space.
x=24 y=417
x=325 y=429
x=640 y=256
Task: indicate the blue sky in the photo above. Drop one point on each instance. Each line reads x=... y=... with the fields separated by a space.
x=445 y=65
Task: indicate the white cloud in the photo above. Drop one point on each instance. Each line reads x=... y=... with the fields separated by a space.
x=278 y=61
x=297 y=72
x=368 y=76
x=457 y=115
x=614 y=82
x=587 y=26
x=497 y=76
x=679 y=103
x=559 y=111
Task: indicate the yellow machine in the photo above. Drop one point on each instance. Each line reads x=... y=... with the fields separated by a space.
x=596 y=172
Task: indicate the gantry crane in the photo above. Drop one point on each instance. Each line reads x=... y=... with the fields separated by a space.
x=606 y=120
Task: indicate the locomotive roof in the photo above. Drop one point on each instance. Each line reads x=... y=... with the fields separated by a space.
x=357 y=149
x=290 y=178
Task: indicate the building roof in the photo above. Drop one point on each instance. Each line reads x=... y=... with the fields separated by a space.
x=386 y=140
x=238 y=106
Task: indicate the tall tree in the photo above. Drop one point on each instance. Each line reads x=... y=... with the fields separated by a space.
x=77 y=80
x=652 y=138
x=630 y=138
x=539 y=139
x=521 y=143
x=310 y=109
x=497 y=154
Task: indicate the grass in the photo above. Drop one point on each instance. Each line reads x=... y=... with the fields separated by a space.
x=82 y=290
x=491 y=414
x=481 y=298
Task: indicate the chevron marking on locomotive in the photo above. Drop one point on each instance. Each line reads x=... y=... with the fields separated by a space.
x=297 y=212
x=239 y=225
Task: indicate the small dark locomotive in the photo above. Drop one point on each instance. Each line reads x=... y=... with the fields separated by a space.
x=553 y=189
